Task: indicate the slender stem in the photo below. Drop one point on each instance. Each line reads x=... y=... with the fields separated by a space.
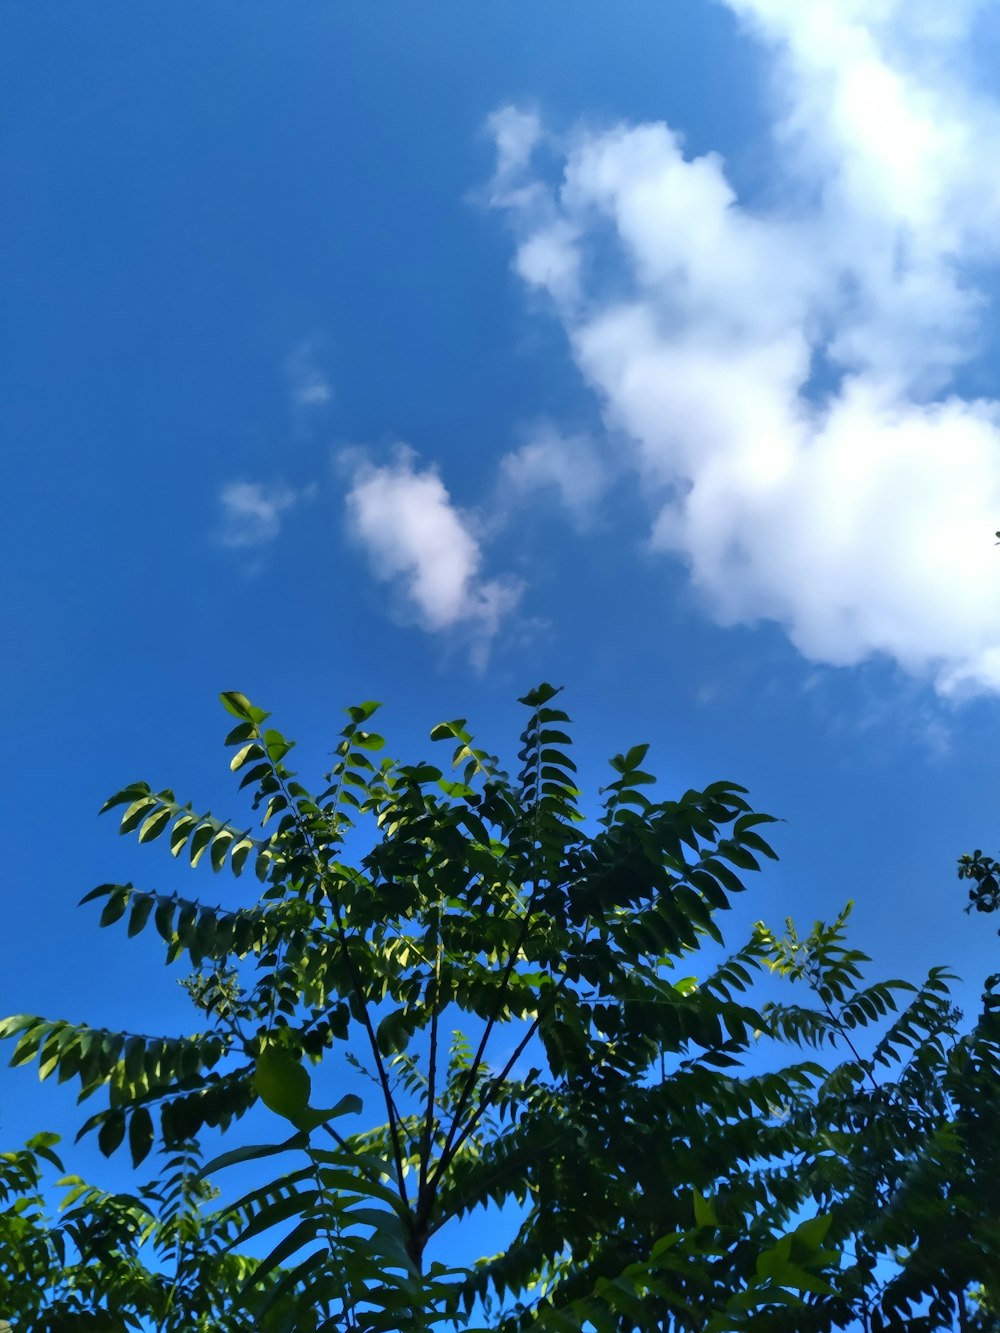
x=333 y=1238
x=499 y=1171
x=491 y=1022
x=453 y=1143
x=338 y=1138
x=383 y=1078
x=818 y=987
x=423 y=1199
x=470 y=1082
x=451 y=1149
x=853 y=1049
x=390 y=1105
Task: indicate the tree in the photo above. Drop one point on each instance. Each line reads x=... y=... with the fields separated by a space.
x=655 y=1160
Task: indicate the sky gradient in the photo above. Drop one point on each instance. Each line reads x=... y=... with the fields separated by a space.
x=426 y=352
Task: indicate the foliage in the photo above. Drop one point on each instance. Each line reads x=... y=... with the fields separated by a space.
x=667 y=1151
x=910 y=1161
x=984 y=872
x=113 y=1262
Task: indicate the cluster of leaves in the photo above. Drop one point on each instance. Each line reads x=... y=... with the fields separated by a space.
x=905 y=1161
x=666 y=1150
x=984 y=872
x=162 y=1257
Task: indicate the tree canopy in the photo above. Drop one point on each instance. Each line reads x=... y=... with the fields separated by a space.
x=535 y=1018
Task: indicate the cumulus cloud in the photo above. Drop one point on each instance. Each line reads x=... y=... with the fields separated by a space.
x=568 y=465
x=251 y=513
x=416 y=539
x=789 y=372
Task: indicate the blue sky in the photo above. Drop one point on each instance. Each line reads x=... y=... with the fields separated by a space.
x=425 y=352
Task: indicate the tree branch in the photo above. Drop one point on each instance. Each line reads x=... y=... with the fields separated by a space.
x=391 y=1110
x=423 y=1198
x=491 y=1022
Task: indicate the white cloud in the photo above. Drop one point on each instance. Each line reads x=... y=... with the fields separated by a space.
x=516 y=133
x=788 y=374
x=308 y=384
x=251 y=513
x=570 y=465
x=417 y=539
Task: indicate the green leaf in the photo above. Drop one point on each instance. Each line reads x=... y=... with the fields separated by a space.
x=277 y=746
x=243 y=731
x=393 y=1033
x=220 y=845
x=278 y=1211
x=111 y=1133
x=203 y=835
x=114 y=908
x=311 y=1118
x=252 y=1153
x=140 y=1135
x=155 y=824
x=258 y=774
x=242 y=756
x=28 y=1044
x=180 y=832
x=164 y=919
x=704 y=1211
x=142 y=905
x=359 y=713
x=281 y=1082
x=101 y=891
x=239 y=854
x=306 y=1231
x=241 y=707
x=368 y=740
x=134 y=813
x=635 y=756
x=540 y=695
x=126 y=796
x=812 y=1233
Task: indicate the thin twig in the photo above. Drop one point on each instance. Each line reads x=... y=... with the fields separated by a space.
x=390 y=1105
x=425 y=1144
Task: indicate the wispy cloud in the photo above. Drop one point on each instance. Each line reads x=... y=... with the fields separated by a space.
x=252 y=514
x=418 y=541
x=516 y=133
x=789 y=375
x=308 y=384
x=570 y=466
